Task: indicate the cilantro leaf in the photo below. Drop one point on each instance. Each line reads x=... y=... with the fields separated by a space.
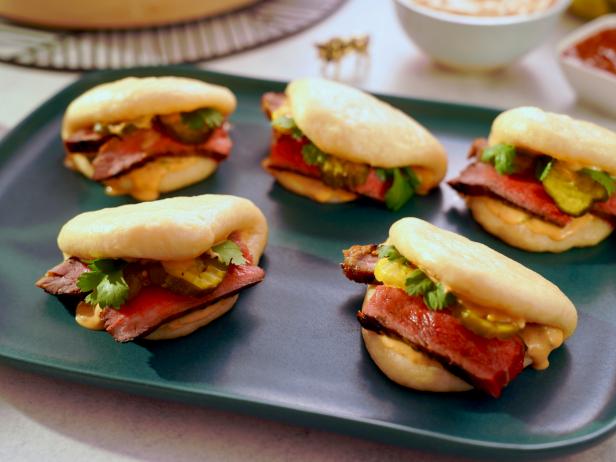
x=543 y=169
x=438 y=298
x=228 y=252
x=89 y=280
x=418 y=283
x=105 y=282
x=602 y=178
x=381 y=173
x=106 y=265
x=400 y=192
x=111 y=291
x=313 y=155
x=502 y=156
x=203 y=118
x=435 y=296
x=389 y=252
x=286 y=124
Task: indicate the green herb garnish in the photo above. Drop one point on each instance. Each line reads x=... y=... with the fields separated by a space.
x=203 y=118
x=403 y=187
x=228 y=252
x=381 y=173
x=389 y=252
x=286 y=124
x=502 y=156
x=439 y=298
x=418 y=283
x=105 y=282
x=313 y=155
x=435 y=296
x=603 y=179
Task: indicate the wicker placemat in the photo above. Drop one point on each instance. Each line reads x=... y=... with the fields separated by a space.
x=188 y=42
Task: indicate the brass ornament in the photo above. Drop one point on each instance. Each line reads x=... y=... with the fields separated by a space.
x=335 y=49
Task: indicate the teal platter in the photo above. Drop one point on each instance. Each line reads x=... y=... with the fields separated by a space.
x=291 y=348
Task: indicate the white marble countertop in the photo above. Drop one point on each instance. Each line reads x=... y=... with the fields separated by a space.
x=43 y=418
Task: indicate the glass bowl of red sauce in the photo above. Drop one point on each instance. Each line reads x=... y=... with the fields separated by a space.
x=588 y=59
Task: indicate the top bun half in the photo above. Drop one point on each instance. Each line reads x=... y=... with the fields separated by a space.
x=178 y=228
x=581 y=143
x=353 y=125
x=132 y=97
x=479 y=275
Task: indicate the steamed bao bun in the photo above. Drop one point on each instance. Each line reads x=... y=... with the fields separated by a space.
x=352 y=125
x=178 y=228
x=475 y=273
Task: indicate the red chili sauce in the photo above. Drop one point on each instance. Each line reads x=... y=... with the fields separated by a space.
x=598 y=50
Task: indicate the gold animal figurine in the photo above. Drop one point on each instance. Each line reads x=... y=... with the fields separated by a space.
x=332 y=51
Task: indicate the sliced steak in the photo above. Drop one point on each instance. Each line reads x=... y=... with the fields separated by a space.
x=373 y=187
x=359 y=262
x=85 y=140
x=606 y=209
x=469 y=181
x=478 y=146
x=62 y=278
x=112 y=162
x=523 y=191
x=489 y=364
x=154 y=305
x=119 y=155
x=286 y=154
x=271 y=101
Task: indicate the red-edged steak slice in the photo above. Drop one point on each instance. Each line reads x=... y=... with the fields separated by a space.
x=489 y=364
x=606 y=209
x=154 y=305
x=524 y=191
x=119 y=155
x=359 y=263
x=62 y=278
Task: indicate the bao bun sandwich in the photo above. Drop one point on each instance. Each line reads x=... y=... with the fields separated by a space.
x=146 y=136
x=335 y=143
x=542 y=182
x=443 y=313
x=159 y=269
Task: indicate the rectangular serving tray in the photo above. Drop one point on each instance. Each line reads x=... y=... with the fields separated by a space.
x=291 y=347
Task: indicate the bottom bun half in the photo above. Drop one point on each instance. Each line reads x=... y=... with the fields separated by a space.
x=161 y=175
x=194 y=320
x=521 y=230
x=309 y=187
x=407 y=366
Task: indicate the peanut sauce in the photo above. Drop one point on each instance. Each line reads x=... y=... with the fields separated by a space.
x=598 y=50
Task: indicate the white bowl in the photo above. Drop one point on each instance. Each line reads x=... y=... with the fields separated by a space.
x=594 y=86
x=476 y=42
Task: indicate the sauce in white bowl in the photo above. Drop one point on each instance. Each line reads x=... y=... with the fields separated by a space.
x=490 y=8
x=477 y=42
